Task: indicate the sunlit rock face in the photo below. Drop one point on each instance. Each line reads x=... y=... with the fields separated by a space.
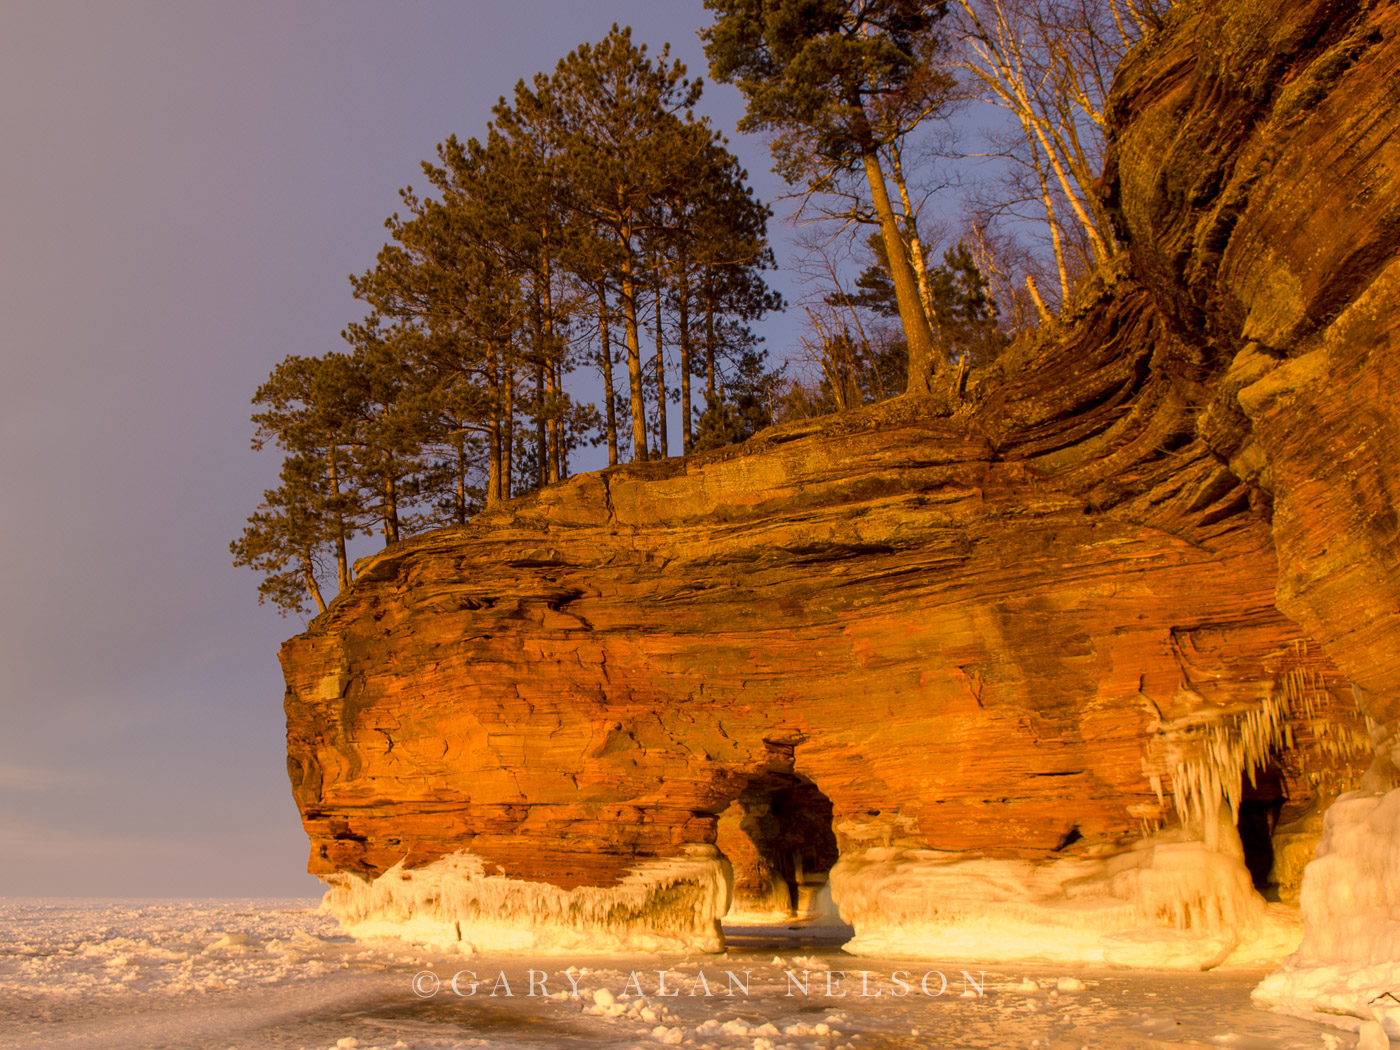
x=1269 y=223
x=1025 y=657
x=1258 y=183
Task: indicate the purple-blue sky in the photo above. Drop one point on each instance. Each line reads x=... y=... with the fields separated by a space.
x=185 y=187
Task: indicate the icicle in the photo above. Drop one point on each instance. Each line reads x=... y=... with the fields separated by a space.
x=1209 y=752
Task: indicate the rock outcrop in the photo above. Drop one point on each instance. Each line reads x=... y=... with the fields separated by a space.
x=1012 y=670
x=1257 y=178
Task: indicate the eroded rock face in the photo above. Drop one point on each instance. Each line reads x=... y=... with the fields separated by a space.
x=1258 y=178
x=1029 y=636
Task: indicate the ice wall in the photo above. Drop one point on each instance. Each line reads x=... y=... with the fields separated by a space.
x=1179 y=898
x=1169 y=901
x=673 y=904
x=1347 y=970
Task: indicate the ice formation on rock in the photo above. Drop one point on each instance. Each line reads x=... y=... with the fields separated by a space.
x=673 y=904
x=1347 y=970
x=1169 y=901
x=1210 y=750
x=1178 y=898
x=1181 y=897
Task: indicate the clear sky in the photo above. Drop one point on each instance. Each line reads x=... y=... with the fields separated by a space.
x=184 y=187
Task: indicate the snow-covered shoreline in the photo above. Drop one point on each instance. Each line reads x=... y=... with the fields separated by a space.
x=123 y=975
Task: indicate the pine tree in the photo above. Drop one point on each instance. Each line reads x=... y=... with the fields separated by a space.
x=593 y=188
x=530 y=227
x=965 y=313
x=389 y=465
x=625 y=132
x=835 y=81
x=288 y=538
x=308 y=409
x=964 y=316
x=719 y=251
x=742 y=408
x=447 y=278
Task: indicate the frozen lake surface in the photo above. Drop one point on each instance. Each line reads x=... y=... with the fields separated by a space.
x=218 y=974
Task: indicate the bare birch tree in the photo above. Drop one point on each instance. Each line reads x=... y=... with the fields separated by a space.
x=1049 y=64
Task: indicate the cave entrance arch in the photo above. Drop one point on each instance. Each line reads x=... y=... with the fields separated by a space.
x=777 y=835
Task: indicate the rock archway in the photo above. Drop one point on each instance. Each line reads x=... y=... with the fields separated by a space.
x=777 y=834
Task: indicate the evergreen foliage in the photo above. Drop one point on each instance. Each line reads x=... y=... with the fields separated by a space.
x=963 y=315
x=834 y=82
x=743 y=408
x=595 y=199
x=598 y=224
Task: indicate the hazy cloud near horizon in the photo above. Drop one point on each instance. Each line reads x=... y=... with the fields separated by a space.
x=185 y=189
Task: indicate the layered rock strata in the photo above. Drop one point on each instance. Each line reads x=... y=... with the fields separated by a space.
x=1035 y=656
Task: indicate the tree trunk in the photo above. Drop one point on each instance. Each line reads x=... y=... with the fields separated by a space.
x=493 y=434
x=391 y=509
x=917 y=335
x=342 y=561
x=684 y=320
x=508 y=432
x=1045 y=317
x=391 y=494
x=459 y=444
x=605 y=342
x=916 y=246
x=541 y=438
x=493 y=477
x=634 y=357
x=561 y=452
x=1005 y=79
x=551 y=449
x=709 y=342
x=661 y=442
x=312 y=587
x=1056 y=238
x=537 y=343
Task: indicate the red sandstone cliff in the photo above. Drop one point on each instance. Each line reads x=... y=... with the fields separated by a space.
x=1155 y=546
